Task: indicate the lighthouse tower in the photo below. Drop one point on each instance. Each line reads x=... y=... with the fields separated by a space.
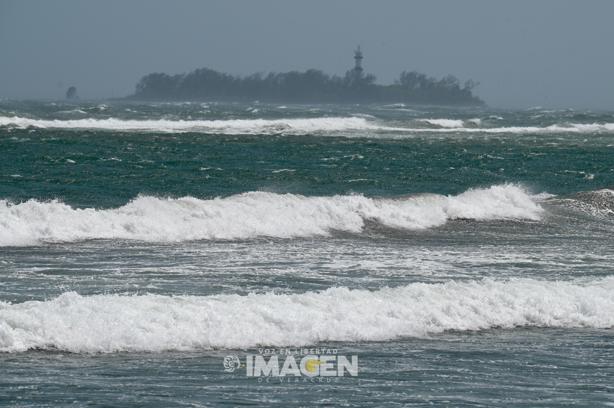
x=358 y=61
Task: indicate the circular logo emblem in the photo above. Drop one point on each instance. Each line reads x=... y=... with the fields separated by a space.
x=231 y=363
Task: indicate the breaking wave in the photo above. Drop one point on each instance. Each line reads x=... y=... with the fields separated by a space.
x=298 y=126
x=596 y=203
x=152 y=323
x=227 y=126
x=444 y=123
x=254 y=214
x=563 y=128
x=475 y=126
x=452 y=123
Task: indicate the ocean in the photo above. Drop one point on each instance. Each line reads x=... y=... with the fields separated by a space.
x=152 y=253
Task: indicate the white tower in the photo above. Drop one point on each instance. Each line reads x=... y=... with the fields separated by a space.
x=358 y=60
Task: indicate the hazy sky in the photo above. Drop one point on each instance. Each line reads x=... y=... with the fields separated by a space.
x=557 y=53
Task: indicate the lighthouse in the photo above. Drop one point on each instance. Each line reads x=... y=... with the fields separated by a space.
x=358 y=61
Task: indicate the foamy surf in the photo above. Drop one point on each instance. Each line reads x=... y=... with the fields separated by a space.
x=444 y=123
x=154 y=323
x=475 y=126
x=596 y=203
x=574 y=128
x=343 y=126
x=254 y=214
x=295 y=126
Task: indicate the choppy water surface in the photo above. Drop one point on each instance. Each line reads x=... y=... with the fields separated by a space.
x=464 y=255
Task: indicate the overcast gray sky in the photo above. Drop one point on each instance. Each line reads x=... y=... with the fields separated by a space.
x=525 y=53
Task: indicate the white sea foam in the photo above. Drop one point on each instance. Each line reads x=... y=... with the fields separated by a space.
x=459 y=126
x=578 y=128
x=596 y=203
x=130 y=323
x=230 y=126
x=297 y=126
x=444 y=123
x=254 y=214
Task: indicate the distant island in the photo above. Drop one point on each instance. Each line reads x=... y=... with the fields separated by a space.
x=311 y=86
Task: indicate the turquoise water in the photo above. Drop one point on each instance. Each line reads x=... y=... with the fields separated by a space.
x=465 y=256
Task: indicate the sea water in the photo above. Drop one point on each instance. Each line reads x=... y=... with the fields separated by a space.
x=464 y=256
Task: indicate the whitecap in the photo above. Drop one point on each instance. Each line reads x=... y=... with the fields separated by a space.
x=254 y=214
x=155 y=323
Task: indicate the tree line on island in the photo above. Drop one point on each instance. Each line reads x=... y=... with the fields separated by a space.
x=311 y=86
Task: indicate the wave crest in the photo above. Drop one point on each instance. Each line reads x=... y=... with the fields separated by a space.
x=595 y=203
x=296 y=126
x=254 y=214
x=112 y=323
x=300 y=126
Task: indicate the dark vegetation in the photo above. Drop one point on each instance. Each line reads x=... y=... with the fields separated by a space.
x=308 y=86
x=71 y=93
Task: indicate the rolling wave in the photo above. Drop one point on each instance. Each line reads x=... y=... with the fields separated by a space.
x=595 y=203
x=298 y=126
x=228 y=126
x=153 y=323
x=254 y=214
x=444 y=123
x=475 y=126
